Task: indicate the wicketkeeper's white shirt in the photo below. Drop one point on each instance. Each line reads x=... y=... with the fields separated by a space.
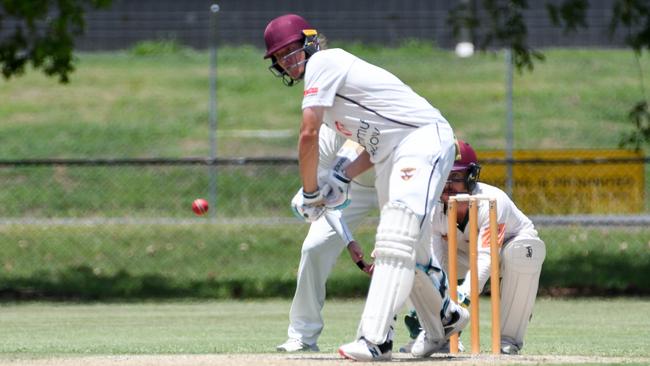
x=365 y=103
x=511 y=223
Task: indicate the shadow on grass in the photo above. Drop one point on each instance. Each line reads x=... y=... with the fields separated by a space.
x=592 y=274
x=82 y=284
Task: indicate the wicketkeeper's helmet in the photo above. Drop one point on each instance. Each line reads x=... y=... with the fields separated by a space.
x=283 y=31
x=467 y=162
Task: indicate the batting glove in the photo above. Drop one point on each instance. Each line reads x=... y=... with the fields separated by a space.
x=308 y=206
x=336 y=189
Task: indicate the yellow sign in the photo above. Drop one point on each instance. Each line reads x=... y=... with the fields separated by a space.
x=570 y=181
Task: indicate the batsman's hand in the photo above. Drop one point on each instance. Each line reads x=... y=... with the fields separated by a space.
x=308 y=207
x=336 y=187
x=356 y=253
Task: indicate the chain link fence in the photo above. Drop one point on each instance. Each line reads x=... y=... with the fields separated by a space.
x=106 y=228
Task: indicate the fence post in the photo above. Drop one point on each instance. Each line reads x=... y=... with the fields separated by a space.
x=212 y=194
x=509 y=123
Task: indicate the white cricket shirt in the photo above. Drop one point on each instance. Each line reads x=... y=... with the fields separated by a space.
x=363 y=102
x=330 y=146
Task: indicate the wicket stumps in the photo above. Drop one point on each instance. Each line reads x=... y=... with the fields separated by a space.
x=495 y=295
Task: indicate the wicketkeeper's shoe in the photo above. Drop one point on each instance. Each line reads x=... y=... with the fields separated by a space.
x=458 y=322
x=296 y=345
x=407 y=347
x=363 y=350
x=445 y=347
x=509 y=349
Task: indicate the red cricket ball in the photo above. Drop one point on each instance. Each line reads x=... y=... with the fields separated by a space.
x=200 y=206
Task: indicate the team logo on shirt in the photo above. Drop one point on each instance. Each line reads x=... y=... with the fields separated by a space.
x=342 y=129
x=407 y=173
x=310 y=91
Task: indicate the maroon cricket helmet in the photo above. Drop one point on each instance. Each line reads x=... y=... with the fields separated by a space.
x=282 y=31
x=467 y=156
x=467 y=162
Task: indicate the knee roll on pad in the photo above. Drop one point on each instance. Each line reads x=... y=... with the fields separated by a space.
x=523 y=255
x=394 y=271
x=398 y=232
x=521 y=263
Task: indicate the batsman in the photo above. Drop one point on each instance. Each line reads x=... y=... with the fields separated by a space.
x=411 y=146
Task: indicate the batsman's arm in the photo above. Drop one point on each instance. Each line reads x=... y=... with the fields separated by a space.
x=308 y=151
x=359 y=165
x=336 y=221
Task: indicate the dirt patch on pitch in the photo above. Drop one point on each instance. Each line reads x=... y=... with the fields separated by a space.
x=314 y=359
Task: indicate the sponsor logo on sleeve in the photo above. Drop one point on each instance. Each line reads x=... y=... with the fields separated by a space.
x=310 y=91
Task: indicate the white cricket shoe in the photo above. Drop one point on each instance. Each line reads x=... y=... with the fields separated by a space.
x=363 y=350
x=296 y=345
x=509 y=349
x=425 y=346
x=444 y=349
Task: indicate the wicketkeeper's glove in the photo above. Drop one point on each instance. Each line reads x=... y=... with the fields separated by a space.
x=412 y=324
x=463 y=299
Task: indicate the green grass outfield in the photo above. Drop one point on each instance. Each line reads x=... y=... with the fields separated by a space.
x=569 y=327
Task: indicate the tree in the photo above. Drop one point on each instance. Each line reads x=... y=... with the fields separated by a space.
x=42 y=34
x=503 y=24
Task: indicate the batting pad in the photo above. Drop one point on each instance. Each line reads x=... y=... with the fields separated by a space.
x=521 y=261
x=392 y=278
x=428 y=304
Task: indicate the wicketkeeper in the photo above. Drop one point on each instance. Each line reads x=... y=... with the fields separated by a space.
x=522 y=251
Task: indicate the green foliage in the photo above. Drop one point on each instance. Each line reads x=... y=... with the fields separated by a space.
x=505 y=24
x=640 y=116
x=44 y=35
x=570 y=14
x=634 y=16
x=503 y=27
